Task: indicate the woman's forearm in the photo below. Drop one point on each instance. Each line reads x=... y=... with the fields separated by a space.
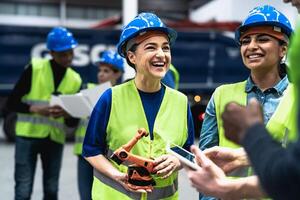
x=101 y=164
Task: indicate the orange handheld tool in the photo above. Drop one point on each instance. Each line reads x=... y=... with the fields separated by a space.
x=139 y=173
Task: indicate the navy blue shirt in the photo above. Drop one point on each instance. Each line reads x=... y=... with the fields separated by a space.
x=94 y=141
x=169 y=79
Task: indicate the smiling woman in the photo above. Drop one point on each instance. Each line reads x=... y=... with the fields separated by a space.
x=263 y=38
x=146 y=103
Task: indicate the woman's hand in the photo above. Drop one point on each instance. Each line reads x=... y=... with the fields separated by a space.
x=165 y=165
x=122 y=178
x=57 y=111
x=40 y=109
x=101 y=164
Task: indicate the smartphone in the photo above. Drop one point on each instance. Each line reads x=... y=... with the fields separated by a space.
x=185 y=157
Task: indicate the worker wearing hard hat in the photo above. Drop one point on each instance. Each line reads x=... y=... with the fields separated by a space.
x=263 y=38
x=110 y=68
x=40 y=127
x=143 y=102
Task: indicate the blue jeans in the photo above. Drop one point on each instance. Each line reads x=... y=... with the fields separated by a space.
x=26 y=153
x=85 y=178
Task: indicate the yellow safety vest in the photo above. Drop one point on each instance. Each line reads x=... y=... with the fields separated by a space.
x=126 y=117
x=42 y=87
x=280 y=125
x=294 y=60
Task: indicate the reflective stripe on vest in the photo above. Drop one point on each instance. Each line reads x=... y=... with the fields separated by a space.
x=41 y=89
x=79 y=136
x=157 y=193
x=40 y=120
x=80 y=132
x=170 y=125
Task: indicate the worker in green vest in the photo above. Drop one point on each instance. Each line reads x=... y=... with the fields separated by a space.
x=40 y=127
x=143 y=102
x=110 y=68
x=277 y=167
x=263 y=38
x=171 y=78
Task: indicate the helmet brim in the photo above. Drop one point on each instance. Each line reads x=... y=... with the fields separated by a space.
x=171 y=33
x=241 y=28
x=73 y=46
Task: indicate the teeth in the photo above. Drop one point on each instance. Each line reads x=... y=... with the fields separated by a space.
x=159 y=64
x=254 y=56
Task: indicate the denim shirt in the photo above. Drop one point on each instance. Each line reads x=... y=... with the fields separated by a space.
x=269 y=100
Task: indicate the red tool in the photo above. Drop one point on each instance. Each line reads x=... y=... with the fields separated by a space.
x=139 y=174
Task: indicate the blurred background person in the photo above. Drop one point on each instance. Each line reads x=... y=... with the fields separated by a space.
x=110 y=68
x=40 y=127
x=172 y=78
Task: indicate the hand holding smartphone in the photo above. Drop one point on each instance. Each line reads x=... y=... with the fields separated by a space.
x=185 y=157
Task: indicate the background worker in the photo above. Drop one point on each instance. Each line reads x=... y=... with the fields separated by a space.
x=40 y=127
x=140 y=103
x=263 y=38
x=171 y=78
x=110 y=68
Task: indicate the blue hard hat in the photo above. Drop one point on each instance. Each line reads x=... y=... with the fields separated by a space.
x=60 y=39
x=112 y=58
x=265 y=15
x=140 y=24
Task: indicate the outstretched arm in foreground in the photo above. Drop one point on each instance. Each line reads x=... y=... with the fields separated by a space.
x=211 y=180
x=277 y=168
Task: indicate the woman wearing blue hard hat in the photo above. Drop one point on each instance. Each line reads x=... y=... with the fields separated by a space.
x=263 y=38
x=143 y=102
x=40 y=128
x=110 y=68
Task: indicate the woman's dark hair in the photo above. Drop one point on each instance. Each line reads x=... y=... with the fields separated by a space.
x=132 y=49
x=282 y=68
